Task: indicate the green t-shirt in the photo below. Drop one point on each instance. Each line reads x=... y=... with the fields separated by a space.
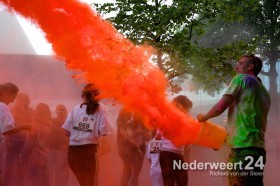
x=247 y=115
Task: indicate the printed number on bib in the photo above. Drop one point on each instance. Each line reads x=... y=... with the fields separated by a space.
x=84 y=124
x=155 y=146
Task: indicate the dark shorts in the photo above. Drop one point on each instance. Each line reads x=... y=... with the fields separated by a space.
x=83 y=162
x=248 y=169
x=171 y=175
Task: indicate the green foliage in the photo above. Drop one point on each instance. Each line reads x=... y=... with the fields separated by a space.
x=258 y=23
x=214 y=66
x=175 y=28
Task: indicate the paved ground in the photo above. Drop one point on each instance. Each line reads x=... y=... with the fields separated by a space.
x=110 y=169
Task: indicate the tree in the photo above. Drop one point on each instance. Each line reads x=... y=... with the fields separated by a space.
x=266 y=21
x=174 y=28
x=260 y=23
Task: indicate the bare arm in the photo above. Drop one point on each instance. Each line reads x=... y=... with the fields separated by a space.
x=217 y=109
x=17 y=129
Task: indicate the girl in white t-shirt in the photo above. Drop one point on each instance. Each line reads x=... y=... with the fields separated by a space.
x=153 y=150
x=170 y=152
x=84 y=125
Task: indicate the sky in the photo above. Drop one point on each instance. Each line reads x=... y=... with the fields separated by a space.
x=36 y=36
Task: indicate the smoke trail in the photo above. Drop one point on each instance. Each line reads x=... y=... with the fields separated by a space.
x=120 y=69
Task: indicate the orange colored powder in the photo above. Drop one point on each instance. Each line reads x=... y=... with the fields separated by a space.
x=121 y=70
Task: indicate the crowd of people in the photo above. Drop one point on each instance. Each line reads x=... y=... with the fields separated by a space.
x=33 y=144
x=39 y=149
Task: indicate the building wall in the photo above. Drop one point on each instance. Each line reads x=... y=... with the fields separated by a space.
x=43 y=77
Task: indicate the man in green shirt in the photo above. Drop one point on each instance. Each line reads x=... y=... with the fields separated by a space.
x=248 y=105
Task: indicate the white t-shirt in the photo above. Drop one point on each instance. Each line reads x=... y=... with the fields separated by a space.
x=153 y=151
x=86 y=129
x=167 y=145
x=7 y=121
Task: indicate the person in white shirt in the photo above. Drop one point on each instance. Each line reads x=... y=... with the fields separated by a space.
x=153 y=150
x=84 y=125
x=8 y=93
x=170 y=152
x=22 y=113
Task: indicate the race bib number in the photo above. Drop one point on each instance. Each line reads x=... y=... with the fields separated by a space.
x=85 y=124
x=155 y=146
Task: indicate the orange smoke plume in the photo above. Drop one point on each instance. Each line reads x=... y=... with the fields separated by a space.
x=121 y=70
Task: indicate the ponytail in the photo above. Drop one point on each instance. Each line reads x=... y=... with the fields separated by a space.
x=91 y=104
